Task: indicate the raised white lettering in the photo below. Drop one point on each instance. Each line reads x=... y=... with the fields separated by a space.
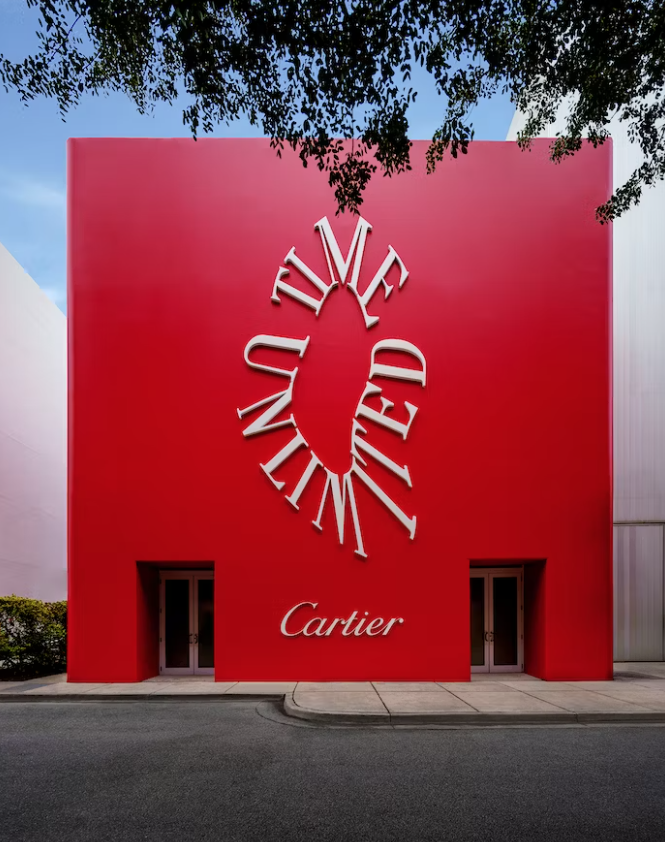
x=408 y=523
x=347 y=624
x=314 y=463
x=280 y=400
x=359 y=443
x=359 y=628
x=334 y=254
x=288 y=450
x=272 y=410
x=318 y=631
x=279 y=343
x=393 y=371
x=391 y=623
x=364 y=411
x=374 y=624
x=288 y=614
x=309 y=301
x=378 y=280
x=322 y=627
x=277 y=402
x=332 y=626
x=339 y=496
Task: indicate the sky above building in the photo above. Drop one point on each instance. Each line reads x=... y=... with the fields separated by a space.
x=33 y=150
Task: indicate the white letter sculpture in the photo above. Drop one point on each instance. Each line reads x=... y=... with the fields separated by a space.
x=344 y=272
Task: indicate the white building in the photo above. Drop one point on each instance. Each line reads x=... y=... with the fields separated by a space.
x=639 y=409
x=33 y=438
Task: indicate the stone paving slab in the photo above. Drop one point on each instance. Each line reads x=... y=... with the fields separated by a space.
x=638 y=695
x=171 y=687
x=655 y=669
x=209 y=688
x=586 y=701
x=502 y=677
x=652 y=699
x=510 y=702
x=119 y=689
x=262 y=687
x=7 y=685
x=61 y=689
x=647 y=683
x=400 y=686
x=336 y=686
x=348 y=706
x=478 y=687
x=363 y=701
x=421 y=701
x=596 y=686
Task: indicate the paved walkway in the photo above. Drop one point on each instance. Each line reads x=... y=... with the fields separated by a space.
x=56 y=687
x=636 y=695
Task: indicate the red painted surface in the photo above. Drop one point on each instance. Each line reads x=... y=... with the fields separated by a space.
x=534 y=618
x=173 y=251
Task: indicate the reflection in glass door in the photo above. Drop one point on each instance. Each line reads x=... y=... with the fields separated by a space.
x=205 y=638
x=496 y=620
x=479 y=617
x=186 y=634
x=176 y=612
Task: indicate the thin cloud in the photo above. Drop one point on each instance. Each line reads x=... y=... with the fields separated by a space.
x=56 y=294
x=35 y=194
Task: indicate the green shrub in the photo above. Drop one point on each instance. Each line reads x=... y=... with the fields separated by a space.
x=33 y=637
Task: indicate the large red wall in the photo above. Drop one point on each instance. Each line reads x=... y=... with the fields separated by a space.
x=173 y=251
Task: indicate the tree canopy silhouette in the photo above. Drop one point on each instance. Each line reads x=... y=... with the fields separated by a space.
x=312 y=72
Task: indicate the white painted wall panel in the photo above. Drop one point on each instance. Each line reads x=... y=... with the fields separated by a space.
x=638 y=593
x=33 y=438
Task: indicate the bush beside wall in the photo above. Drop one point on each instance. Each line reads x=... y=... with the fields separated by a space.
x=33 y=638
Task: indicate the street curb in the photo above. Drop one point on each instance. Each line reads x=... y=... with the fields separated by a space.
x=293 y=709
x=143 y=697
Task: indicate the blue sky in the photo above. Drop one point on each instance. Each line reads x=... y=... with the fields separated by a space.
x=33 y=140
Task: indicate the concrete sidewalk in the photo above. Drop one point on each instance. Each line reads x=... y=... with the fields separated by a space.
x=636 y=695
x=57 y=688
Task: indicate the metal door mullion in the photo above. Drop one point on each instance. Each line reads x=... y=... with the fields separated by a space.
x=197 y=578
x=518 y=574
x=477 y=670
x=193 y=649
x=490 y=621
x=164 y=575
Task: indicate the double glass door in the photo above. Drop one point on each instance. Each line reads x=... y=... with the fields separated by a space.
x=186 y=633
x=496 y=620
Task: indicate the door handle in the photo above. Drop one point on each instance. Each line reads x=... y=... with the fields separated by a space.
x=195 y=636
x=489 y=636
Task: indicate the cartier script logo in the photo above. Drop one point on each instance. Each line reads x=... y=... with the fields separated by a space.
x=340 y=489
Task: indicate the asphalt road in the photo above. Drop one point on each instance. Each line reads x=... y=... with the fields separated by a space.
x=223 y=771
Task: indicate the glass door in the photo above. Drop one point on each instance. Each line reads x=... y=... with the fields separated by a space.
x=497 y=642
x=176 y=622
x=505 y=631
x=186 y=633
x=480 y=651
x=204 y=637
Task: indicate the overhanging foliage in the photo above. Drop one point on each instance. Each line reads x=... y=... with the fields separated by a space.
x=309 y=72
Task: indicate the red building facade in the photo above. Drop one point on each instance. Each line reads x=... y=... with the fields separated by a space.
x=316 y=447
